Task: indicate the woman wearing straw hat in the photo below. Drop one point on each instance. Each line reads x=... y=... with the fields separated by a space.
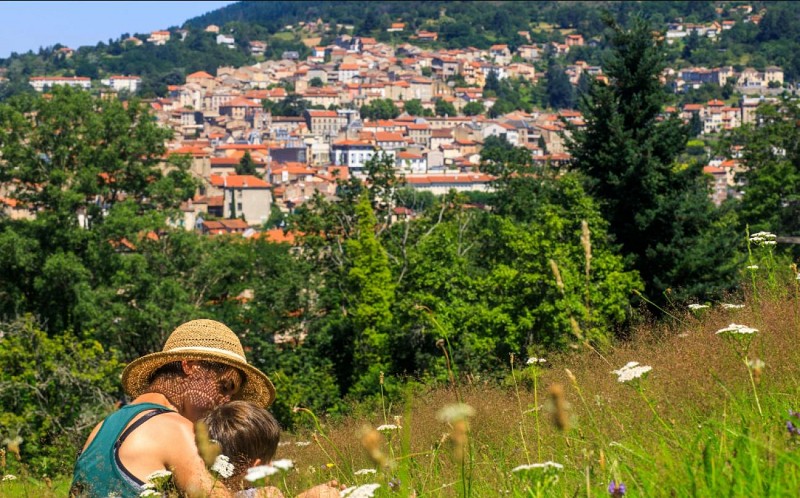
x=202 y=366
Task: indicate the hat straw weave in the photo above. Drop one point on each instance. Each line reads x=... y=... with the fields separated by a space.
x=205 y=340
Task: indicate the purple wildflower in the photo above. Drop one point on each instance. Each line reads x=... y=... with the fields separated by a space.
x=616 y=489
x=793 y=430
x=793 y=413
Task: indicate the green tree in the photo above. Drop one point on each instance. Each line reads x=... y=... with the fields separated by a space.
x=658 y=211
x=54 y=389
x=371 y=295
x=414 y=108
x=560 y=93
x=474 y=108
x=247 y=166
x=444 y=108
x=316 y=82
x=379 y=109
x=770 y=156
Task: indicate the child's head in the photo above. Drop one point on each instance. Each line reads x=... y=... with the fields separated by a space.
x=245 y=433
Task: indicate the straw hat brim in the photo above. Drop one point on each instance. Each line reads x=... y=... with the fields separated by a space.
x=257 y=387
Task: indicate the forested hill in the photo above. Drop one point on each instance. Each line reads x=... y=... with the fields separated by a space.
x=775 y=40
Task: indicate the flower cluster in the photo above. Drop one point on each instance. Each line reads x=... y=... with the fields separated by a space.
x=535 y=361
x=728 y=306
x=793 y=429
x=388 y=427
x=533 y=466
x=632 y=370
x=616 y=489
x=696 y=307
x=737 y=329
x=363 y=491
x=159 y=483
x=258 y=475
x=222 y=467
x=765 y=238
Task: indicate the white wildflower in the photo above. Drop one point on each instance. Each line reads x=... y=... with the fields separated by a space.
x=752 y=267
x=283 y=464
x=223 y=467
x=363 y=472
x=302 y=443
x=454 y=412
x=755 y=364
x=737 y=329
x=261 y=472
x=158 y=474
x=695 y=306
x=388 y=427
x=632 y=370
x=363 y=491
x=764 y=235
x=9 y=477
x=798 y=276
x=148 y=485
x=543 y=465
x=150 y=492
x=729 y=306
x=769 y=242
x=534 y=361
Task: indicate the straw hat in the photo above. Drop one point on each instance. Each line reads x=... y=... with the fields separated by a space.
x=200 y=340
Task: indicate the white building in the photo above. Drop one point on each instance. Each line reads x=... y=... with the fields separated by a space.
x=128 y=83
x=40 y=83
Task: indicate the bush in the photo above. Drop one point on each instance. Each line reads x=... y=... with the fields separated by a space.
x=53 y=390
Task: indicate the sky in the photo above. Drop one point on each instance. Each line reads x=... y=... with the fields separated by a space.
x=29 y=25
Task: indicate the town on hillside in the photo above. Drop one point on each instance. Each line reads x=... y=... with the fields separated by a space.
x=362 y=97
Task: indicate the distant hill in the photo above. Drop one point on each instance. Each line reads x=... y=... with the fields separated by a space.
x=295 y=25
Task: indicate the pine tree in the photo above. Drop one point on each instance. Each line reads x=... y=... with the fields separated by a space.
x=659 y=211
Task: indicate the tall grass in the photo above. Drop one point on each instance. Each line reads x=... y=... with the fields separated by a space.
x=699 y=424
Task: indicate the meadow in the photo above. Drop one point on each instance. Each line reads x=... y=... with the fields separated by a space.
x=712 y=416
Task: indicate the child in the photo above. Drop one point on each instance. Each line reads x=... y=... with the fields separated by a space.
x=248 y=436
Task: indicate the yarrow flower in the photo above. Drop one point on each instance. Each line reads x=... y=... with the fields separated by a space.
x=728 y=306
x=158 y=474
x=260 y=472
x=737 y=329
x=302 y=443
x=150 y=492
x=388 y=427
x=363 y=472
x=9 y=477
x=452 y=413
x=544 y=465
x=632 y=370
x=283 y=464
x=763 y=238
x=535 y=361
x=616 y=489
x=752 y=267
x=695 y=306
x=363 y=491
x=223 y=467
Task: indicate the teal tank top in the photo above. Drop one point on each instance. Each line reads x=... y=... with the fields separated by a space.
x=98 y=472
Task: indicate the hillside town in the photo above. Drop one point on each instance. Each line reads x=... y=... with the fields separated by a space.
x=221 y=119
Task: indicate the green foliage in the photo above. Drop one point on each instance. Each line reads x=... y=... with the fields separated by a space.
x=444 y=108
x=379 y=109
x=54 y=390
x=772 y=179
x=247 y=166
x=291 y=105
x=414 y=108
x=474 y=108
x=660 y=214
x=560 y=93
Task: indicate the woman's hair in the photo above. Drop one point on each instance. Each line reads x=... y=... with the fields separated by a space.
x=244 y=432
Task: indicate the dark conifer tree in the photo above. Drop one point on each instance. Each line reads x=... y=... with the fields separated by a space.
x=659 y=211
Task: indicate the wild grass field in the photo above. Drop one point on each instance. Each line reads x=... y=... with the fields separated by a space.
x=713 y=416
